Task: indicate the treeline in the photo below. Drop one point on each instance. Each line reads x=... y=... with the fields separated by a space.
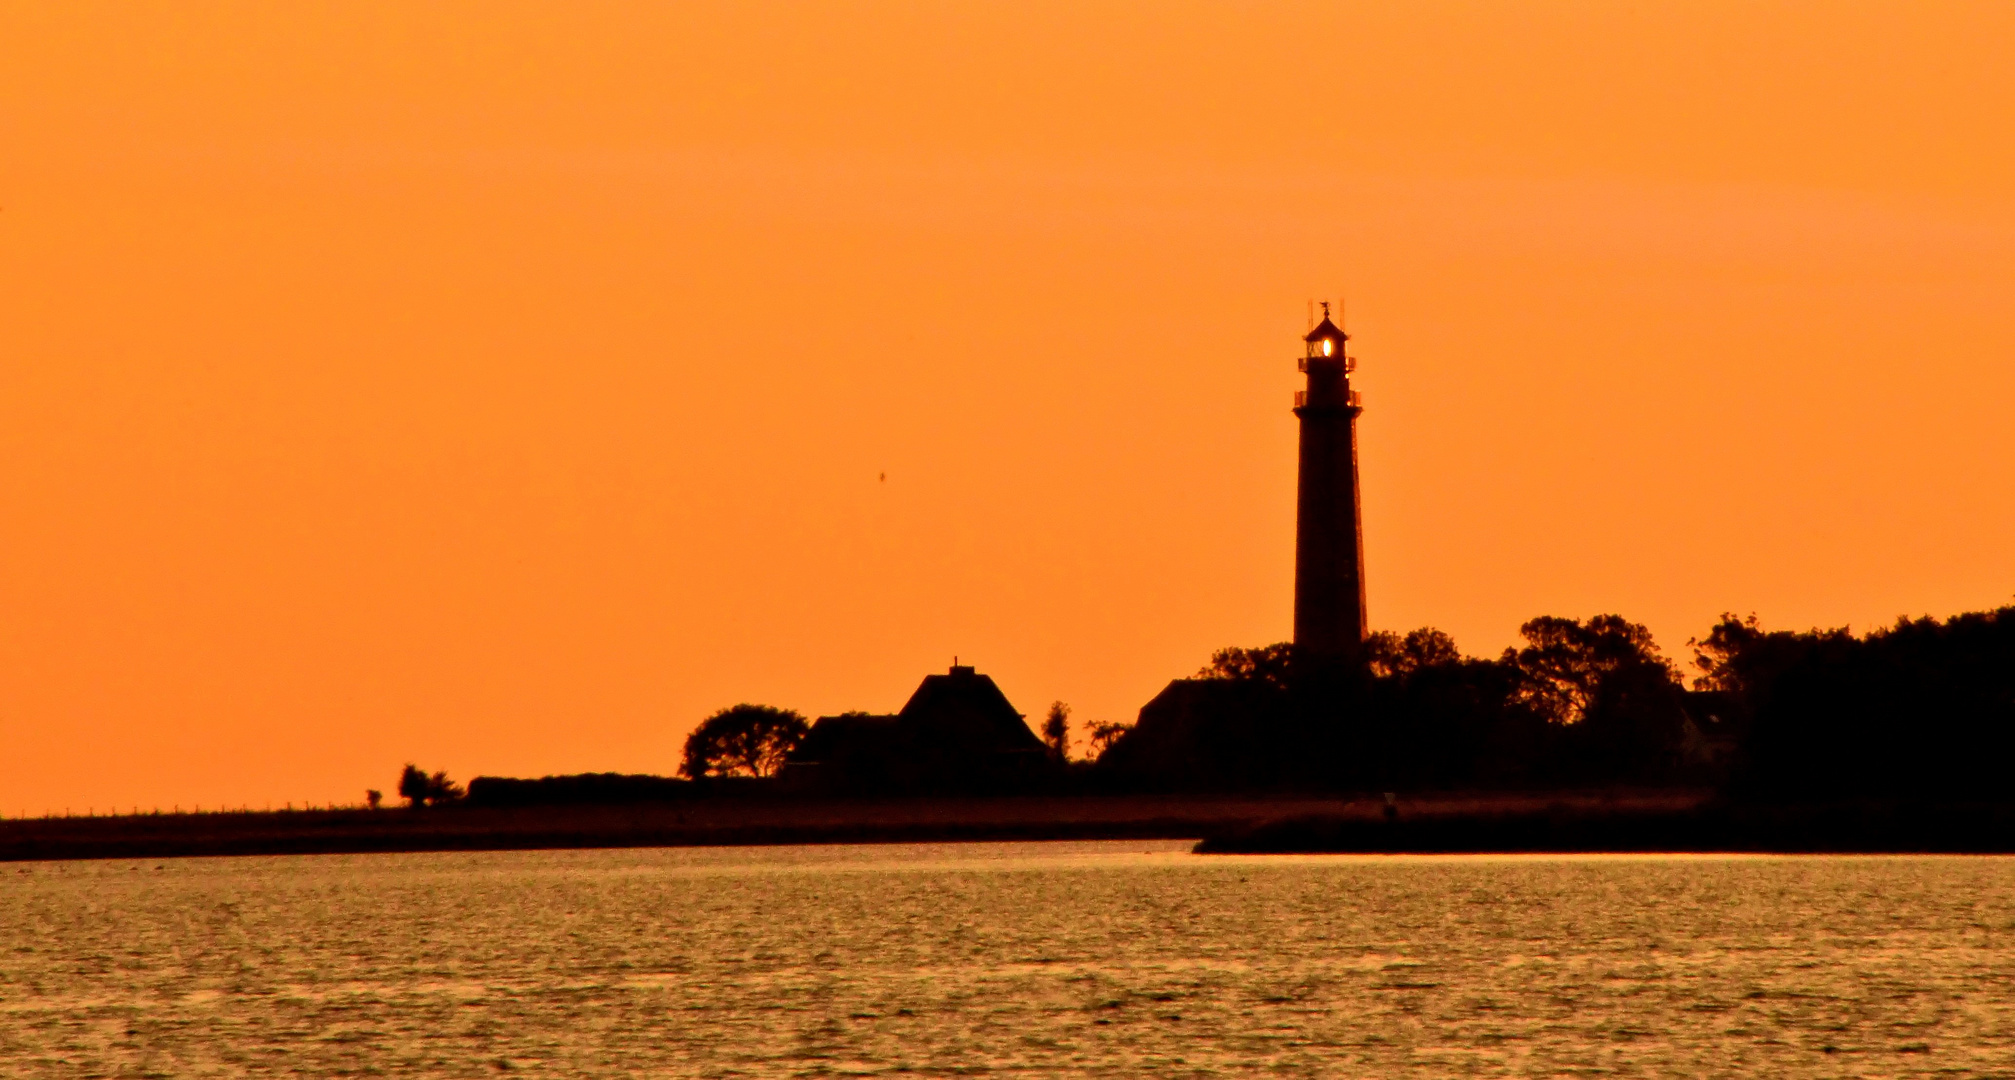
x=1923 y=708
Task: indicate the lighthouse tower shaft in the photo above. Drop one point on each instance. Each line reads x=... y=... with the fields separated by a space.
x=1329 y=621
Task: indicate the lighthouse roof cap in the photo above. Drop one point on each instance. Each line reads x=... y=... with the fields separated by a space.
x=1326 y=329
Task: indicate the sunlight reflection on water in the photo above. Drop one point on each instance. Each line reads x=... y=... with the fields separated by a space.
x=1084 y=959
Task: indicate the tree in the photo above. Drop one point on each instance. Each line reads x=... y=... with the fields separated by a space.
x=742 y=740
x=413 y=785
x=419 y=789
x=1104 y=735
x=373 y=798
x=1268 y=664
x=1603 y=681
x=1388 y=653
x=1568 y=666
x=1056 y=732
x=1738 y=654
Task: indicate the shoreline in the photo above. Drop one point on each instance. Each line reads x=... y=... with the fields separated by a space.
x=1869 y=827
x=735 y=821
x=1449 y=823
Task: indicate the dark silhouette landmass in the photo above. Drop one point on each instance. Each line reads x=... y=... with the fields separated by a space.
x=583 y=789
x=743 y=816
x=1582 y=738
x=1861 y=826
x=1822 y=740
x=1922 y=709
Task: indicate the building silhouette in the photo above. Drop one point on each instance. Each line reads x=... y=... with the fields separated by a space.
x=958 y=734
x=1329 y=622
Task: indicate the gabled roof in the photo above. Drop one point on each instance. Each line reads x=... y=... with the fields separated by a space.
x=965 y=709
x=834 y=738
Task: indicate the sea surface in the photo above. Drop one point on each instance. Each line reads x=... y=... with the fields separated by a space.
x=1053 y=960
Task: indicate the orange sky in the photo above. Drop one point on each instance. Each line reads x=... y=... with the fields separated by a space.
x=504 y=387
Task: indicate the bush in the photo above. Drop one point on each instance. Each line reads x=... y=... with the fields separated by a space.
x=420 y=789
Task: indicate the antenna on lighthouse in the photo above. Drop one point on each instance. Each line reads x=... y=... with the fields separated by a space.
x=1311 y=314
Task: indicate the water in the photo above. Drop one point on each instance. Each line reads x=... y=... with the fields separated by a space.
x=1015 y=959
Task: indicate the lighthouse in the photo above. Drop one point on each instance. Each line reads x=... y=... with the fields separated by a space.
x=1329 y=529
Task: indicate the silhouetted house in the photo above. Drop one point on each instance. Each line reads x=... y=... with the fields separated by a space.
x=957 y=734
x=852 y=751
x=1203 y=733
